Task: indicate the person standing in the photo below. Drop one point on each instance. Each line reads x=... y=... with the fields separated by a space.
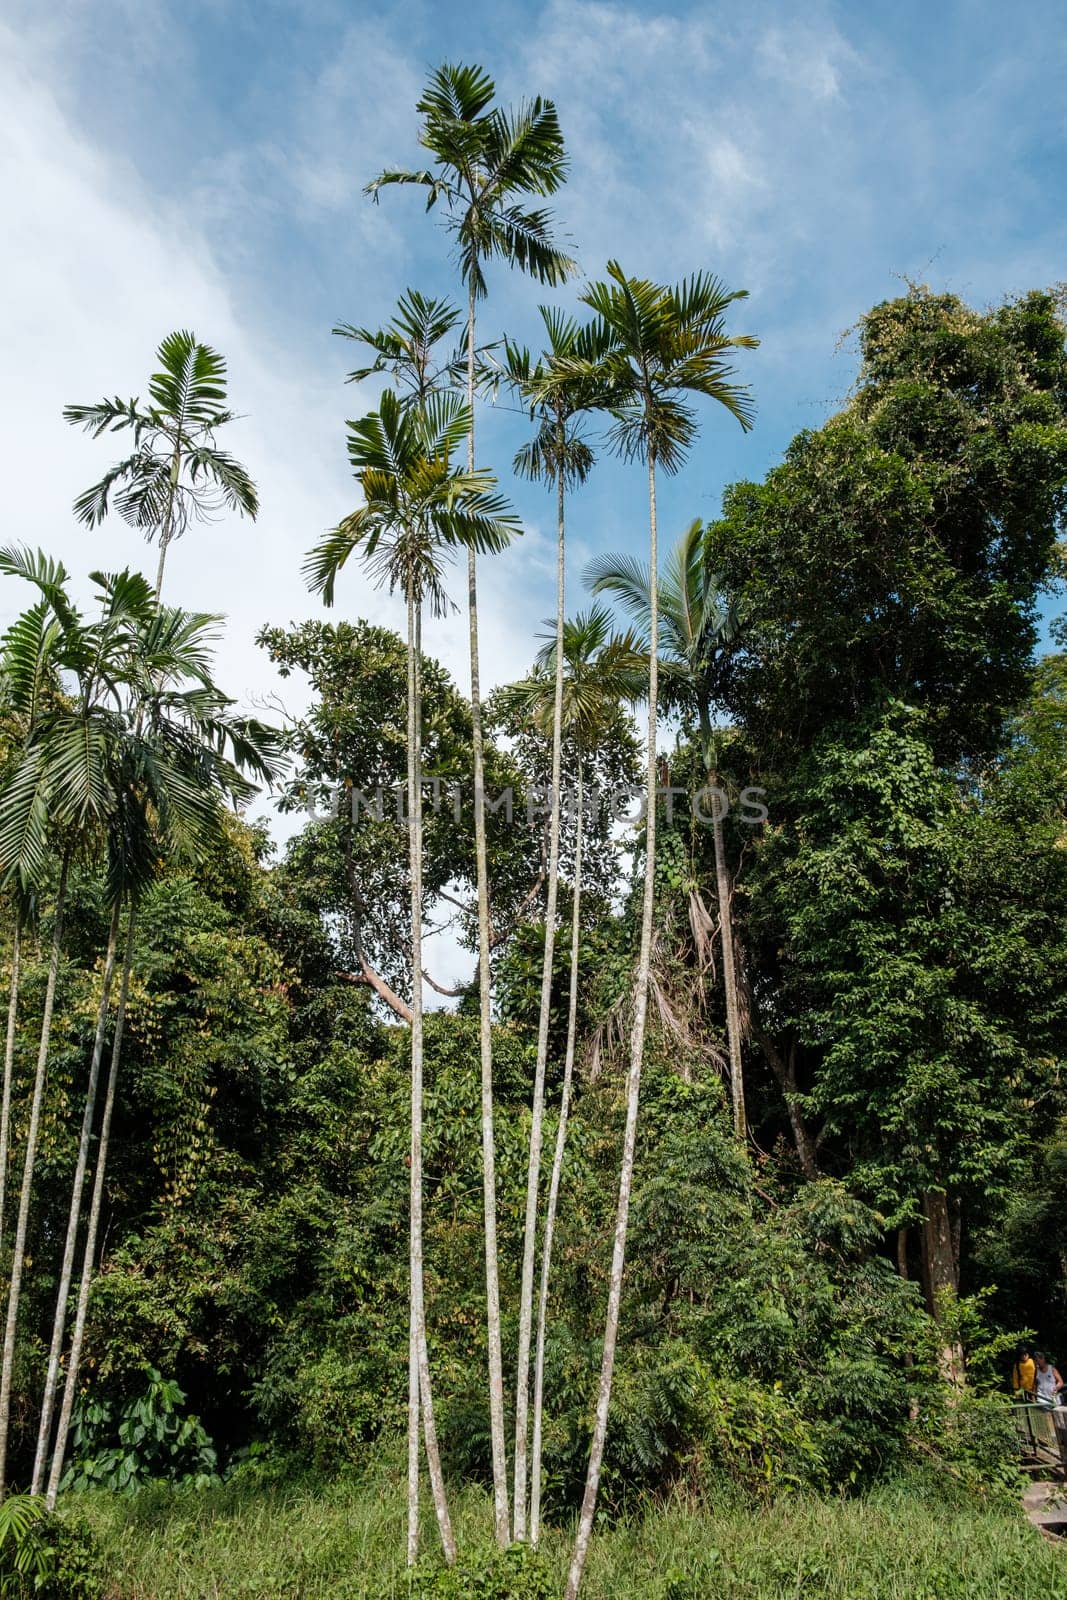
x=1024 y=1373
x=1048 y=1382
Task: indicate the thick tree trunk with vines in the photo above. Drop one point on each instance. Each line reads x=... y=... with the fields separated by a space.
x=633 y=1086
x=783 y=1065
x=485 y=1026
x=554 y=1180
x=533 y=1176
x=59 y=1321
x=941 y=1281
x=18 y=1259
x=9 y=1068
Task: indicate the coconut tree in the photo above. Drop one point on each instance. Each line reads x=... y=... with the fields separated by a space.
x=418 y=507
x=654 y=349
x=167 y=651
x=600 y=669
x=178 y=756
x=697 y=624
x=486 y=164
x=560 y=456
x=175 y=472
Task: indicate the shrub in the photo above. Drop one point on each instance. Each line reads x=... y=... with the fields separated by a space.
x=45 y=1555
x=148 y=1439
x=517 y=1573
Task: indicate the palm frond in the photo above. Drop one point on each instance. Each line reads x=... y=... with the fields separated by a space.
x=456 y=93
x=104 y=416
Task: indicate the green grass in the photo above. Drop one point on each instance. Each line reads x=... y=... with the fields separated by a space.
x=345 y=1540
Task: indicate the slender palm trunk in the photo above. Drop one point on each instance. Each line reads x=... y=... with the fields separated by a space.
x=96 y=1206
x=413 y=1434
x=166 y=532
x=729 y=979
x=533 y=1174
x=633 y=1083
x=59 y=1323
x=726 y=936
x=18 y=1259
x=485 y=1027
x=9 y=1066
x=557 y=1171
x=418 y=1297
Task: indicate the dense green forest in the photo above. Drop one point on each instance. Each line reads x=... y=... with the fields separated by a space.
x=730 y=1181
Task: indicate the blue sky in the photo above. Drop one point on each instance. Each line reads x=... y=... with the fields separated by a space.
x=201 y=164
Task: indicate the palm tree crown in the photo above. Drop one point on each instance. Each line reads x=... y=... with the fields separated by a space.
x=652 y=348
x=134 y=740
x=556 y=397
x=416 y=502
x=406 y=347
x=176 y=470
x=485 y=160
x=601 y=667
x=696 y=618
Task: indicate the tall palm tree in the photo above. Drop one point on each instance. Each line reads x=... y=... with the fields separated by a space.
x=653 y=348
x=58 y=785
x=697 y=623
x=417 y=508
x=27 y=678
x=165 y=650
x=180 y=757
x=176 y=471
x=600 y=669
x=9 y=1061
x=487 y=162
x=560 y=456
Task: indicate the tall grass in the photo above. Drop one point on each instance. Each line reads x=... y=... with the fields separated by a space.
x=345 y=1541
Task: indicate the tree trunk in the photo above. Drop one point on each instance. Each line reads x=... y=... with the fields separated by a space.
x=418 y=1299
x=413 y=1434
x=18 y=1259
x=729 y=979
x=633 y=1084
x=9 y=1067
x=167 y=529
x=59 y=1321
x=554 y=1180
x=485 y=1027
x=95 y=1209
x=726 y=938
x=785 y=1072
x=533 y=1174
x=941 y=1281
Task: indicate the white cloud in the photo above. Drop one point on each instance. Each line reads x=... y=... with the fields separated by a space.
x=807 y=58
x=97 y=269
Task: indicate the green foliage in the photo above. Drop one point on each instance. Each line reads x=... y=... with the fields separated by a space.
x=898 y=550
x=44 y=1555
x=348 y=870
x=485 y=1573
x=148 y=1439
x=344 y=1541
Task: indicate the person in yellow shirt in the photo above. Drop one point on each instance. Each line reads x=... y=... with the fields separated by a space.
x=1024 y=1372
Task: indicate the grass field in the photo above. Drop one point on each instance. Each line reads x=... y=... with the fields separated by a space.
x=344 y=1541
